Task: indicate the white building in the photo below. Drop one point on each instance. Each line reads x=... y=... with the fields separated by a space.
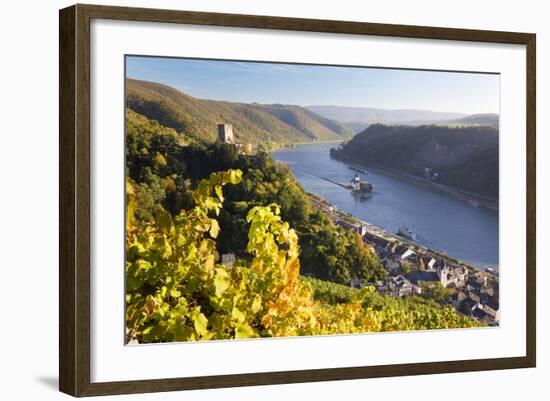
x=228 y=259
x=225 y=133
x=446 y=275
x=407 y=253
x=492 y=309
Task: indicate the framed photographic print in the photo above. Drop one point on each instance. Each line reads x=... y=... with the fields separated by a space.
x=250 y=200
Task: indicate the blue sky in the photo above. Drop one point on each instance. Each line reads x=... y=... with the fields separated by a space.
x=306 y=85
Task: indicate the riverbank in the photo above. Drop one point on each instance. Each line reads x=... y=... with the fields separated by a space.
x=382 y=234
x=473 y=199
x=289 y=145
x=413 y=269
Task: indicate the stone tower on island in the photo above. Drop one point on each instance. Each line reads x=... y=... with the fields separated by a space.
x=225 y=133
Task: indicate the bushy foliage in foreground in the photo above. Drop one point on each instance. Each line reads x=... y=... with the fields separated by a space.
x=176 y=290
x=410 y=313
x=330 y=293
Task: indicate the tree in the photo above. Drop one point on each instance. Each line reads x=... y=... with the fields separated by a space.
x=406 y=267
x=435 y=290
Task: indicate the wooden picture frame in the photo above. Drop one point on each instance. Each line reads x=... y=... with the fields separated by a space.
x=74 y=199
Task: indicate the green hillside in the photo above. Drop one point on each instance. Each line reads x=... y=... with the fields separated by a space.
x=252 y=123
x=165 y=167
x=465 y=157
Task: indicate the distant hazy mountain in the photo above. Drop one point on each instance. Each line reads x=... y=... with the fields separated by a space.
x=356 y=127
x=358 y=118
x=488 y=119
x=479 y=119
x=198 y=118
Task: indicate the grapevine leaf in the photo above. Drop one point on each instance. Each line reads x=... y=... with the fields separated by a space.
x=214 y=228
x=244 y=331
x=238 y=315
x=218 y=189
x=200 y=323
x=256 y=304
x=235 y=176
x=221 y=281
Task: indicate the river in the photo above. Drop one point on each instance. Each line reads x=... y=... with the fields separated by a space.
x=440 y=222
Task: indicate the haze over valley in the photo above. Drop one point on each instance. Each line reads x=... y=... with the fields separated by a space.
x=359 y=118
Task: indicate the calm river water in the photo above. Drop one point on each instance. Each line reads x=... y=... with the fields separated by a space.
x=440 y=223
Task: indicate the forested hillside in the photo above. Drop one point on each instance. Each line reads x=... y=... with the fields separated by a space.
x=165 y=170
x=252 y=123
x=464 y=157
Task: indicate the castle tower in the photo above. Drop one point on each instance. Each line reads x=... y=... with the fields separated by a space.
x=225 y=133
